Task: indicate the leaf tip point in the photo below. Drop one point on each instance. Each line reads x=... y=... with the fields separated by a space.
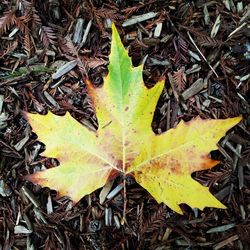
x=162 y=79
x=239 y=118
x=223 y=206
x=113 y=26
x=114 y=30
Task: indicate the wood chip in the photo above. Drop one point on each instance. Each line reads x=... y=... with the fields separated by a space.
x=139 y=18
x=5 y=190
x=206 y=103
x=246 y=16
x=3 y=120
x=220 y=229
x=194 y=55
x=1 y=103
x=30 y=245
x=237 y=156
x=195 y=88
x=225 y=242
x=22 y=142
x=51 y=100
x=195 y=68
x=158 y=29
x=21 y=230
x=241 y=177
x=117 y=222
x=166 y=38
x=108 y=217
x=105 y=190
x=227 y=4
x=77 y=37
x=167 y=233
x=108 y=23
x=239 y=8
x=154 y=61
x=64 y=69
x=115 y=191
x=216 y=27
x=206 y=15
x=242 y=212
x=49 y=205
x=223 y=193
x=86 y=32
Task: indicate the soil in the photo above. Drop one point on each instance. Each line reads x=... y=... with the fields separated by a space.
x=201 y=48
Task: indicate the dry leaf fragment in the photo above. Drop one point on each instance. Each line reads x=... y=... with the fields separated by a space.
x=125 y=143
x=180 y=79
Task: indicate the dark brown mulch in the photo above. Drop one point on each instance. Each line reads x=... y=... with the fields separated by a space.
x=201 y=47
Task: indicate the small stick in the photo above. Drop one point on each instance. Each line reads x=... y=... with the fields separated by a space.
x=192 y=40
x=124 y=202
x=236 y=30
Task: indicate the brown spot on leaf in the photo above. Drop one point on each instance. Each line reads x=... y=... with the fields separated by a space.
x=113 y=174
x=175 y=169
x=204 y=157
x=127 y=108
x=119 y=164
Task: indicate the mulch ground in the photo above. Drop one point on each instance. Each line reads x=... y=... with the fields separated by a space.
x=201 y=47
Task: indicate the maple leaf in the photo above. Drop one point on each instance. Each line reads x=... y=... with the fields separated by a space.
x=125 y=143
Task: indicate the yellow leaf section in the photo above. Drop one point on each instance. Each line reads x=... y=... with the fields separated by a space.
x=165 y=171
x=84 y=164
x=125 y=106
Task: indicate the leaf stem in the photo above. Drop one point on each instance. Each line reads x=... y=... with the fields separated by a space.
x=125 y=201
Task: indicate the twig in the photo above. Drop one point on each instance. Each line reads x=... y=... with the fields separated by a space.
x=204 y=58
